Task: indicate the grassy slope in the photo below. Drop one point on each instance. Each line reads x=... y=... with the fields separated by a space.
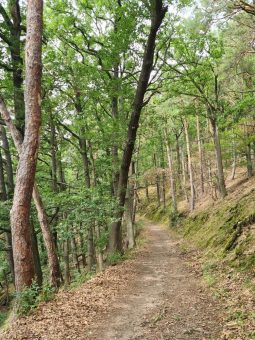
x=223 y=229
x=224 y=233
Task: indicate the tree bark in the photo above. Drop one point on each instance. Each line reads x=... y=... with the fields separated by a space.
x=157 y=16
x=36 y=255
x=249 y=160
x=67 y=262
x=53 y=145
x=234 y=159
x=171 y=172
x=3 y=197
x=55 y=271
x=218 y=154
x=56 y=277
x=17 y=64
x=9 y=168
x=21 y=232
x=192 y=191
x=201 y=158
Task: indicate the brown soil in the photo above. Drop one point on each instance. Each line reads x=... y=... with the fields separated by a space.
x=156 y=295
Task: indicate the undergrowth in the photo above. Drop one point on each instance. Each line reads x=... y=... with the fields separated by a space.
x=3 y=317
x=29 y=298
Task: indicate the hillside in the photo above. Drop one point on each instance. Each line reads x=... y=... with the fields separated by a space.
x=221 y=236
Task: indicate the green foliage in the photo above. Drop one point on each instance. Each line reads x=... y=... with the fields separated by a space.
x=29 y=298
x=3 y=318
x=80 y=278
x=114 y=258
x=47 y=293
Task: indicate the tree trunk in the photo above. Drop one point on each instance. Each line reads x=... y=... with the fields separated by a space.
x=3 y=192
x=21 y=232
x=157 y=181
x=91 y=250
x=157 y=15
x=75 y=254
x=100 y=259
x=201 y=158
x=83 y=256
x=171 y=172
x=130 y=206
x=9 y=168
x=56 y=276
x=53 y=145
x=147 y=190
x=164 y=189
x=218 y=153
x=55 y=272
x=234 y=159
x=36 y=255
x=3 y=197
x=85 y=159
x=249 y=160
x=184 y=179
x=17 y=65
x=67 y=276
x=192 y=191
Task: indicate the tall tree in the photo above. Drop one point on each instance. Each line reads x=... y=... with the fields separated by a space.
x=158 y=12
x=21 y=234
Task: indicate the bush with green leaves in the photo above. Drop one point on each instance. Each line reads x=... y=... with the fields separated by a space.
x=29 y=298
x=114 y=258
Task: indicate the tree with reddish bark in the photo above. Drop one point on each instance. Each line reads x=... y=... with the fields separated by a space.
x=20 y=212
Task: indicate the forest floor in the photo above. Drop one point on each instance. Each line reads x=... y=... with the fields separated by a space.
x=155 y=295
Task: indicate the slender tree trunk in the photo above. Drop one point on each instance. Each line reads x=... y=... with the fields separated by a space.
x=36 y=255
x=67 y=276
x=201 y=158
x=55 y=272
x=3 y=197
x=218 y=153
x=115 y=108
x=249 y=160
x=9 y=168
x=157 y=16
x=184 y=178
x=83 y=256
x=234 y=159
x=100 y=259
x=21 y=232
x=130 y=201
x=8 y=238
x=164 y=189
x=53 y=145
x=91 y=250
x=3 y=192
x=17 y=66
x=75 y=254
x=192 y=191
x=157 y=181
x=178 y=155
x=171 y=172
x=85 y=158
x=147 y=190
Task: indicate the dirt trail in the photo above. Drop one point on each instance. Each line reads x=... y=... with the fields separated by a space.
x=155 y=296
x=164 y=301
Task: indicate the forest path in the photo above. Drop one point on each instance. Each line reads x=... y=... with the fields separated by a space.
x=164 y=300
x=154 y=296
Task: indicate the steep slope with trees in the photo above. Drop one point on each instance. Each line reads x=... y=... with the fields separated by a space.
x=109 y=108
